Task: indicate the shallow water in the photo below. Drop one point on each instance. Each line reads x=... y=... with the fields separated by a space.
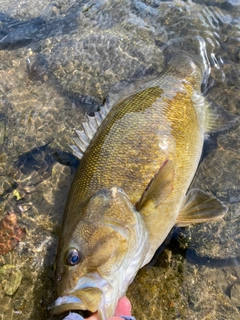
x=59 y=60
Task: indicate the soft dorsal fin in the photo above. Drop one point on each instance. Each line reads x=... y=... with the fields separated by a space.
x=159 y=187
x=199 y=207
x=90 y=127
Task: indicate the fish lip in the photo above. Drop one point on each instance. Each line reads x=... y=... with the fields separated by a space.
x=57 y=310
x=67 y=303
x=88 y=298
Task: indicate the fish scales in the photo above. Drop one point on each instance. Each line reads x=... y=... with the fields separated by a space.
x=131 y=188
x=128 y=149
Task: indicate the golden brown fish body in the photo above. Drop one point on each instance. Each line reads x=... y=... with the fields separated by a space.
x=149 y=145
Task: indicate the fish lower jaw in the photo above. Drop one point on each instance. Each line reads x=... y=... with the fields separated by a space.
x=73 y=303
x=91 y=298
x=67 y=303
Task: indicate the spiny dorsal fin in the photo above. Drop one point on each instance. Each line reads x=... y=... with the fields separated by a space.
x=159 y=187
x=199 y=207
x=90 y=127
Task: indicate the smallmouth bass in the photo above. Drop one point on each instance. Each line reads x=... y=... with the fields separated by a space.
x=132 y=184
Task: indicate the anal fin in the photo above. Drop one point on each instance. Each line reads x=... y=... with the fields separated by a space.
x=200 y=207
x=217 y=119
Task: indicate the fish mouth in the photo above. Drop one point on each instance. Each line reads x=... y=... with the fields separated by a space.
x=67 y=306
x=88 y=299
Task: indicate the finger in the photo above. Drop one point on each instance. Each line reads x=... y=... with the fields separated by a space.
x=127 y=318
x=73 y=316
x=123 y=307
x=94 y=316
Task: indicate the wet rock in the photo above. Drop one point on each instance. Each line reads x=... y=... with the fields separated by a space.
x=179 y=289
x=217 y=239
x=10 y=233
x=10 y=278
x=235 y=294
x=89 y=66
x=58 y=61
x=216 y=175
x=156 y=291
x=2 y=131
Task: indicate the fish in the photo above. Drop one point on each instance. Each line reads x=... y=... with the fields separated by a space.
x=138 y=159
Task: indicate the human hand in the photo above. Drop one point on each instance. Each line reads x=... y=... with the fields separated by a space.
x=123 y=309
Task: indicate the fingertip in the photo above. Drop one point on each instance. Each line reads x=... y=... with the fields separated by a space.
x=123 y=307
x=94 y=316
x=73 y=316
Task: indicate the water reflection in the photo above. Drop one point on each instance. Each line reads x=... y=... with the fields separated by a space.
x=60 y=60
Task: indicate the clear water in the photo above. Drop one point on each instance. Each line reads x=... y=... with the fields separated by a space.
x=58 y=60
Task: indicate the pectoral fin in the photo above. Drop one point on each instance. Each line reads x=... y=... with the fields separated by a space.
x=200 y=207
x=159 y=187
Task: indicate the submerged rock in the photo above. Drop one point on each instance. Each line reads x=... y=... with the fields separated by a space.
x=10 y=233
x=59 y=60
x=10 y=278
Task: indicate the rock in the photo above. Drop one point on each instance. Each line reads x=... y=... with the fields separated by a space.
x=10 y=233
x=10 y=278
x=235 y=294
x=60 y=60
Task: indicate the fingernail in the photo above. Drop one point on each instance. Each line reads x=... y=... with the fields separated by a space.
x=73 y=316
x=128 y=317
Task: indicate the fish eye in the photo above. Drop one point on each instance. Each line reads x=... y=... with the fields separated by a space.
x=72 y=257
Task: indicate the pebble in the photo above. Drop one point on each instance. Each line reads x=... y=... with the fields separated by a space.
x=10 y=233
